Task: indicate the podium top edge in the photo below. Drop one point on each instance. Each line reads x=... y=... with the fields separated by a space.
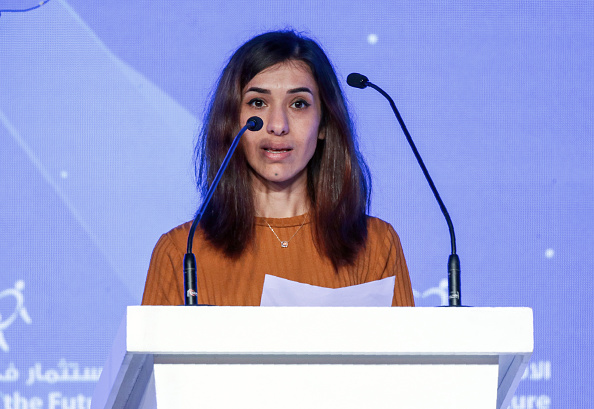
x=366 y=330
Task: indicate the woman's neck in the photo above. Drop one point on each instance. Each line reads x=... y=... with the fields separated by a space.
x=278 y=201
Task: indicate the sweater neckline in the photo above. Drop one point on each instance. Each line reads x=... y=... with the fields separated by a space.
x=283 y=222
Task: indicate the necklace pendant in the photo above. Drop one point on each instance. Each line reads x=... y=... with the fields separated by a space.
x=284 y=244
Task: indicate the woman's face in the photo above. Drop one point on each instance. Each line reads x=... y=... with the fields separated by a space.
x=286 y=97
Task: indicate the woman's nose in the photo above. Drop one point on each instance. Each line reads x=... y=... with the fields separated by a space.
x=278 y=122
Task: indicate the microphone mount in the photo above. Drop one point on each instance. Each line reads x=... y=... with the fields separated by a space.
x=190 y=278
x=454 y=291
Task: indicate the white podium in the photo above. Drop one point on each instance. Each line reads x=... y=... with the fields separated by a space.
x=300 y=357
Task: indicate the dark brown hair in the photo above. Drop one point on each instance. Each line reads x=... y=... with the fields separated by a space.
x=338 y=182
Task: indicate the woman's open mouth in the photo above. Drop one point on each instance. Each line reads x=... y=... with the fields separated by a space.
x=270 y=150
x=277 y=153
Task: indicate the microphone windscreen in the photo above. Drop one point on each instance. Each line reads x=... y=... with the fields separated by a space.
x=357 y=80
x=255 y=123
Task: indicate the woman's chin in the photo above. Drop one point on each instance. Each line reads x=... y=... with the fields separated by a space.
x=280 y=180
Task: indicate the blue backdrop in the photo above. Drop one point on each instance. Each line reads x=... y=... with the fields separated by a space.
x=100 y=103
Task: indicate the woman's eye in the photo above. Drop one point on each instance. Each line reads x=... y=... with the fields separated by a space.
x=256 y=103
x=301 y=104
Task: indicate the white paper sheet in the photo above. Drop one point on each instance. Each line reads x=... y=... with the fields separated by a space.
x=280 y=292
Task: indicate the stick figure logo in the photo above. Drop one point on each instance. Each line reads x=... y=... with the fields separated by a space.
x=440 y=291
x=19 y=311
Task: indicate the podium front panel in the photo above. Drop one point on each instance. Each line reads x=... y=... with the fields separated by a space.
x=326 y=386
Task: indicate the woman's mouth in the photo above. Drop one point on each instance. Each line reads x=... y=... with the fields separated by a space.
x=276 y=153
x=270 y=150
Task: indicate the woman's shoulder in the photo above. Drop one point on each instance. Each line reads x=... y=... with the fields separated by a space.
x=378 y=229
x=375 y=224
x=176 y=237
x=181 y=230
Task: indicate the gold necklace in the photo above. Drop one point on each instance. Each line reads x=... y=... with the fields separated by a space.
x=285 y=243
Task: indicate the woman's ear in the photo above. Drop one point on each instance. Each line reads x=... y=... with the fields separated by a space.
x=322 y=133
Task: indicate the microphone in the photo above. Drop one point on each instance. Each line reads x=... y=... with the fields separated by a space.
x=357 y=80
x=454 y=292
x=254 y=124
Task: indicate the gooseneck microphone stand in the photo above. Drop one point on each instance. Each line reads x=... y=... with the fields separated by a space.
x=454 y=292
x=190 y=279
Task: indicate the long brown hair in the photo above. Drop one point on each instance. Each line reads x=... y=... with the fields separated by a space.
x=338 y=181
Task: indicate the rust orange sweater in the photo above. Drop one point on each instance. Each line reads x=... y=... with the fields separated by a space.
x=224 y=281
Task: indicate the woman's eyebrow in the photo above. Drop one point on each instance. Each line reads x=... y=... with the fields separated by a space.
x=298 y=90
x=258 y=89
x=267 y=91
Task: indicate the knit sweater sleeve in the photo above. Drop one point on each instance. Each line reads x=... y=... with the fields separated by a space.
x=162 y=287
x=396 y=265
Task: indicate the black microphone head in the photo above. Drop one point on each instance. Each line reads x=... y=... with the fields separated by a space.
x=255 y=123
x=357 y=80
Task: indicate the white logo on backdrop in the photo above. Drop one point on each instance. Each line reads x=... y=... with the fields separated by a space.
x=19 y=310
x=440 y=291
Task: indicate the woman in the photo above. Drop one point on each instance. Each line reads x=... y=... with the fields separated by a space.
x=292 y=203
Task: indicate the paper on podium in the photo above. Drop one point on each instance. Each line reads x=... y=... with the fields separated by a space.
x=280 y=292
